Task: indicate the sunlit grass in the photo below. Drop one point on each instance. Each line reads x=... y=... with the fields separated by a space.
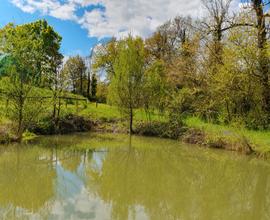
x=260 y=140
x=102 y=111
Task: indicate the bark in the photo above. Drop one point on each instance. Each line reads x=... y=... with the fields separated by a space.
x=88 y=84
x=131 y=120
x=20 y=110
x=81 y=83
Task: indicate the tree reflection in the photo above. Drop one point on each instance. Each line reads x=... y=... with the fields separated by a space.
x=146 y=178
x=172 y=183
x=26 y=180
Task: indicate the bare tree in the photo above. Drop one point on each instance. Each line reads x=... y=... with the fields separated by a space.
x=166 y=41
x=217 y=23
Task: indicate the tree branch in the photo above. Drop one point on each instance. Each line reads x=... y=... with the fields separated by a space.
x=238 y=25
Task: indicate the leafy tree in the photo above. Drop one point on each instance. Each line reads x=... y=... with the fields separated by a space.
x=263 y=56
x=28 y=47
x=105 y=57
x=155 y=88
x=60 y=86
x=126 y=88
x=75 y=67
x=5 y=62
x=102 y=92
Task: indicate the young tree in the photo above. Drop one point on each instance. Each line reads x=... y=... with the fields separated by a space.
x=126 y=88
x=59 y=86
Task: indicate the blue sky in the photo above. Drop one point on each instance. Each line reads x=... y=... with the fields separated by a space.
x=84 y=23
x=75 y=39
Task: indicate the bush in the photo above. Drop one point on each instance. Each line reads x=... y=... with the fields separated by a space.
x=66 y=124
x=170 y=129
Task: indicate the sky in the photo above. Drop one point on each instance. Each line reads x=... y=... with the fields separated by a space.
x=85 y=23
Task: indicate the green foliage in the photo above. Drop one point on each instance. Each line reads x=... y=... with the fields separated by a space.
x=5 y=62
x=154 y=87
x=105 y=57
x=126 y=88
x=234 y=91
x=34 y=50
x=75 y=68
x=27 y=135
x=170 y=129
x=102 y=92
x=34 y=47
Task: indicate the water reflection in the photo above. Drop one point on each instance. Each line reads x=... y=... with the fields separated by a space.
x=109 y=177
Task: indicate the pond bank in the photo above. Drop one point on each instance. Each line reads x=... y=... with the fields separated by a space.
x=192 y=131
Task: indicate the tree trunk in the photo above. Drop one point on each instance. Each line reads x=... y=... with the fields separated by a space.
x=218 y=34
x=20 y=129
x=20 y=123
x=59 y=107
x=54 y=107
x=88 y=84
x=81 y=83
x=131 y=120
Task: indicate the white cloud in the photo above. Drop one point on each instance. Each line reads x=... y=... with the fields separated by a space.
x=120 y=17
x=139 y=17
x=53 y=8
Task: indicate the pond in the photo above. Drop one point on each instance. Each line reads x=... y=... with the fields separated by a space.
x=109 y=176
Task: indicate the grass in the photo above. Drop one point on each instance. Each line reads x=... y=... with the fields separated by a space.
x=102 y=111
x=259 y=140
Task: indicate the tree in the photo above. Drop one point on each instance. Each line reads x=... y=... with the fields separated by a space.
x=94 y=86
x=164 y=44
x=102 y=92
x=76 y=68
x=90 y=61
x=126 y=88
x=256 y=19
x=235 y=88
x=28 y=47
x=5 y=62
x=154 y=88
x=60 y=85
x=218 y=22
x=263 y=58
x=105 y=57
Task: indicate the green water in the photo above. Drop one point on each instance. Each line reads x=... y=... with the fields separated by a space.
x=113 y=177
